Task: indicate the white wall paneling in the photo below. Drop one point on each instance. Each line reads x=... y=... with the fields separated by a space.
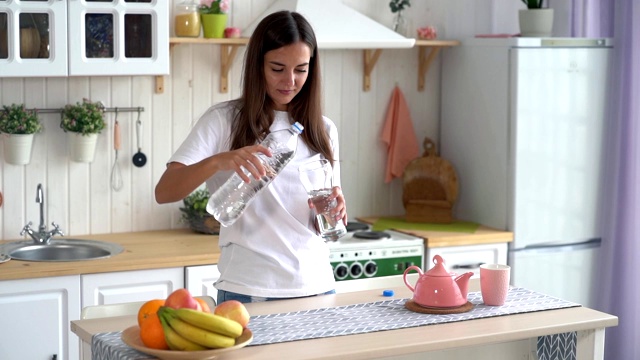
x=79 y=196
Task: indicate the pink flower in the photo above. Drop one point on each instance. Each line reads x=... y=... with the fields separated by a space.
x=214 y=6
x=224 y=6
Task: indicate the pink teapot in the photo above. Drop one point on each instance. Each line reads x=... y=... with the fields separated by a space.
x=437 y=288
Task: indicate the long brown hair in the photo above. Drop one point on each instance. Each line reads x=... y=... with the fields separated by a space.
x=256 y=109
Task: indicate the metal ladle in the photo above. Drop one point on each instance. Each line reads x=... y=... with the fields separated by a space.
x=139 y=158
x=116 y=176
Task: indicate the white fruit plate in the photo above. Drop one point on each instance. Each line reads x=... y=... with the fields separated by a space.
x=131 y=337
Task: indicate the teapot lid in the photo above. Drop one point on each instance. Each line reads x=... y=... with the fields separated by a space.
x=439 y=269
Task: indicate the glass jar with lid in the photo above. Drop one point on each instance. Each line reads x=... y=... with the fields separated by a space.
x=187 y=19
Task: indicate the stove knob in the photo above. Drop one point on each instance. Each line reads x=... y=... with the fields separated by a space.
x=341 y=271
x=370 y=268
x=355 y=270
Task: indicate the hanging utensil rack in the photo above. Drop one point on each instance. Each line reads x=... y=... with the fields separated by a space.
x=106 y=109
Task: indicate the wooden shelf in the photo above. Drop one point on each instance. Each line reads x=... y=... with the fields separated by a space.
x=424 y=59
x=228 y=51
x=428 y=50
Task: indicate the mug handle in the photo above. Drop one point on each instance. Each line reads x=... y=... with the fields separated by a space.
x=404 y=276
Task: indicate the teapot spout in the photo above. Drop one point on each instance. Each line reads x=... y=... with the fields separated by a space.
x=463 y=283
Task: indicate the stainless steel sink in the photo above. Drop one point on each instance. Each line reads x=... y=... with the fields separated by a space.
x=61 y=250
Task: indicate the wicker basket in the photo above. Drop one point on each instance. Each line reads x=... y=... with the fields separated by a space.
x=205 y=225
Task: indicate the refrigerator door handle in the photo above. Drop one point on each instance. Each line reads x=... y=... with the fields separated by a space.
x=582 y=245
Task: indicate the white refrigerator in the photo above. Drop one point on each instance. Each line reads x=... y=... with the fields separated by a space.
x=523 y=123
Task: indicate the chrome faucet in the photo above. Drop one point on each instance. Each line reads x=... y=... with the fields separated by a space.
x=42 y=236
x=40 y=200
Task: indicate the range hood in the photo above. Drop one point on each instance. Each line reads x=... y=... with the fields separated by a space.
x=338 y=26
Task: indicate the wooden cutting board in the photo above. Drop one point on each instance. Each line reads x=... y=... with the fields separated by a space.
x=430 y=187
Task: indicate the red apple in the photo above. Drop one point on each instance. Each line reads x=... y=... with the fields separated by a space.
x=232 y=32
x=234 y=310
x=181 y=298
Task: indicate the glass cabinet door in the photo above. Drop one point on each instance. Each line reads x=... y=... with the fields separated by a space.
x=33 y=38
x=118 y=37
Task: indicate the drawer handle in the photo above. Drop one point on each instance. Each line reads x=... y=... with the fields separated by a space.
x=467 y=266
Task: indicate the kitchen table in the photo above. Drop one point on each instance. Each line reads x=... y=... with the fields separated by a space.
x=495 y=337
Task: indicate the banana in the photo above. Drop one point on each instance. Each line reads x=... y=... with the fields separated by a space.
x=211 y=322
x=198 y=335
x=177 y=342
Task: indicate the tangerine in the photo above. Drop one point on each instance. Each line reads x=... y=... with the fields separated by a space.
x=152 y=334
x=148 y=308
x=203 y=305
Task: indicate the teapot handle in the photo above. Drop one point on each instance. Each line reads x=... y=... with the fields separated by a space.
x=404 y=277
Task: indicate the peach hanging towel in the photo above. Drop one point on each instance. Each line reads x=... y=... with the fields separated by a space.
x=399 y=136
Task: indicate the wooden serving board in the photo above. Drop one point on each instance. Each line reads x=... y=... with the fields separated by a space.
x=430 y=187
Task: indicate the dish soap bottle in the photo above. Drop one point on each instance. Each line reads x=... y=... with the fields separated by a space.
x=229 y=201
x=187 y=19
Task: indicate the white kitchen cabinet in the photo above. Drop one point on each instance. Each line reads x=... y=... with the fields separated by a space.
x=129 y=286
x=199 y=280
x=36 y=315
x=462 y=259
x=33 y=38
x=84 y=38
x=118 y=37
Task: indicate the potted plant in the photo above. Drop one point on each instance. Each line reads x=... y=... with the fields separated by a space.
x=535 y=20
x=400 y=23
x=194 y=212
x=83 y=122
x=213 y=16
x=18 y=127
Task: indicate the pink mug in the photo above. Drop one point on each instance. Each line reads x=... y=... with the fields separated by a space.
x=494 y=283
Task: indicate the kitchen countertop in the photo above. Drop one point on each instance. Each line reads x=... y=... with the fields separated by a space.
x=142 y=250
x=183 y=247
x=589 y=324
x=436 y=239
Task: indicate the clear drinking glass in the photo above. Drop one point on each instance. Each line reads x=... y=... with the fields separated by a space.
x=317 y=178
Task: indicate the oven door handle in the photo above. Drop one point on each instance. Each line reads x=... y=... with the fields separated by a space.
x=467 y=266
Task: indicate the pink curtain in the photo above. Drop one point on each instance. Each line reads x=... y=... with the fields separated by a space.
x=619 y=269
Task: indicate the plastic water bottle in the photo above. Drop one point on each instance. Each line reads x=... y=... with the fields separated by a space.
x=229 y=201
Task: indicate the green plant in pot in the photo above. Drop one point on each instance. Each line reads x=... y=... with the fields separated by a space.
x=533 y=4
x=83 y=122
x=535 y=20
x=18 y=126
x=85 y=118
x=194 y=212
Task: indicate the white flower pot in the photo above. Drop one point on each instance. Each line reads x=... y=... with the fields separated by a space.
x=82 y=148
x=17 y=148
x=536 y=22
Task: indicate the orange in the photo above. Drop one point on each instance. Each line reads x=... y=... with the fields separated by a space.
x=151 y=333
x=147 y=309
x=203 y=304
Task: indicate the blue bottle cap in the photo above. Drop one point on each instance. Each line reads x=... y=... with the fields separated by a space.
x=297 y=127
x=388 y=293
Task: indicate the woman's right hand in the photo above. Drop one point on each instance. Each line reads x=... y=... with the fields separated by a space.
x=244 y=158
x=179 y=180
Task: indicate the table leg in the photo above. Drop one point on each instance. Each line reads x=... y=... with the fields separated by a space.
x=590 y=344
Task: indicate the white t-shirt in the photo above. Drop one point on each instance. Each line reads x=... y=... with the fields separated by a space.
x=272 y=250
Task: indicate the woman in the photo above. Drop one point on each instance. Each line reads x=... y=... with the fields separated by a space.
x=273 y=250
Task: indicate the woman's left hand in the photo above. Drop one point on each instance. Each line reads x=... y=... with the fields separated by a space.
x=340 y=211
